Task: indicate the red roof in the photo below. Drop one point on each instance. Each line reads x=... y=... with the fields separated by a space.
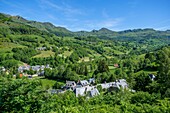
x=116 y=65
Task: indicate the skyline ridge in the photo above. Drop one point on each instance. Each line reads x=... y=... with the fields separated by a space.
x=46 y=22
x=93 y=14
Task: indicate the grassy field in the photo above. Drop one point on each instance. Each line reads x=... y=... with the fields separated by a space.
x=8 y=46
x=118 y=52
x=85 y=59
x=141 y=56
x=112 y=70
x=67 y=53
x=47 y=82
x=45 y=54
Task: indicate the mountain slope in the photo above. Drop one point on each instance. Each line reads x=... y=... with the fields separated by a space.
x=103 y=33
x=44 y=26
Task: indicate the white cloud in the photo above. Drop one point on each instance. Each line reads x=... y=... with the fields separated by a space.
x=89 y=25
x=65 y=8
x=109 y=23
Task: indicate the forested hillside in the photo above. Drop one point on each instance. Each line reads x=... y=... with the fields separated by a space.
x=103 y=54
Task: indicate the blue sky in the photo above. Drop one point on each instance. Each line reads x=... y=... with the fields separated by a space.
x=87 y=15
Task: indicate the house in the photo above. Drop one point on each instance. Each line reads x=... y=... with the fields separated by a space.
x=104 y=85
x=83 y=82
x=82 y=91
x=91 y=80
x=23 y=68
x=35 y=75
x=41 y=48
x=121 y=83
x=36 y=68
x=70 y=84
x=41 y=73
x=107 y=85
x=94 y=92
x=77 y=86
x=55 y=91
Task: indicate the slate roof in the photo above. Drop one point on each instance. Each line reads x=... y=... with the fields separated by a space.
x=83 y=90
x=55 y=91
x=70 y=84
x=34 y=68
x=83 y=83
x=91 y=80
x=122 y=83
x=22 y=68
x=119 y=83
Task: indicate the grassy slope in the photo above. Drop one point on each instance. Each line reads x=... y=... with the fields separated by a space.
x=45 y=54
x=8 y=46
x=47 y=82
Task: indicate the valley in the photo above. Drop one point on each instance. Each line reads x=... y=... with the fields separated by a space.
x=105 y=55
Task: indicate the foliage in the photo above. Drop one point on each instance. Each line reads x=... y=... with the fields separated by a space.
x=22 y=95
x=129 y=54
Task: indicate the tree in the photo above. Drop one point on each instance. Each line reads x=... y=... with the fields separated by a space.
x=99 y=87
x=10 y=63
x=142 y=81
x=163 y=58
x=23 y=95
x=74 y=57
x=102 y=66
x=57 y=85
x=67 y=73
x=85 y=70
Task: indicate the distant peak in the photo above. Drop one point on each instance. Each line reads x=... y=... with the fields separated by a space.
x=104 y=29
x=19 y=18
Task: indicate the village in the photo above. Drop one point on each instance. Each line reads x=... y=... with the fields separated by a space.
x=38 y=70
x=80 y=88
x=87 y=88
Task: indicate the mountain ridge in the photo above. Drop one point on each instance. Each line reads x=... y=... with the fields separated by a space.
x=101 y=29
x=103 y=32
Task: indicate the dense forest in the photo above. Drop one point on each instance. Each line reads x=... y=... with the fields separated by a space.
x=101 y=54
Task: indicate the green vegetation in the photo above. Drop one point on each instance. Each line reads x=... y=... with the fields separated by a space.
x=47 y=82
x=102 y=54
x=45 y=54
